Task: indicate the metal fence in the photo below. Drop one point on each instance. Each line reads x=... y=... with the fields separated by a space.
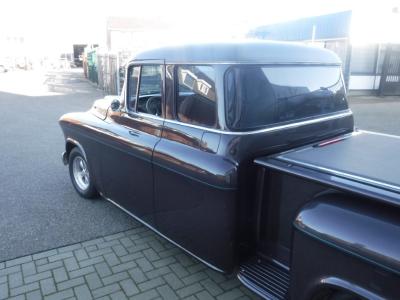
x=110 y=71
x=92 y=66
x=390 y=79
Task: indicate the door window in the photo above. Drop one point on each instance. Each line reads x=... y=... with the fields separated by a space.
x=150 y=90
x=133 y=79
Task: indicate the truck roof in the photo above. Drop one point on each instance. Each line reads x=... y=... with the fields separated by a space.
x=242 y=52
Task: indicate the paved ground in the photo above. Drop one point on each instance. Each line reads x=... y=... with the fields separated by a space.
x=135 y=264
x=381 y=114
x=39 y=208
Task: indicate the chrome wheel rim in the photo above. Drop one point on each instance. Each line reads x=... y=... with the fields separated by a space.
x=81 y=173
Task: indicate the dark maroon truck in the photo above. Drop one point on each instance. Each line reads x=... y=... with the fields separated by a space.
x=245 y=156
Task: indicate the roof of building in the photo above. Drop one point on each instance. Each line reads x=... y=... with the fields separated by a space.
x=331 y=26
x=242 y=52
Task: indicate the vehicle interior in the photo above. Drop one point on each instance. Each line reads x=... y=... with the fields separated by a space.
x=195 y=109
x=150 y=104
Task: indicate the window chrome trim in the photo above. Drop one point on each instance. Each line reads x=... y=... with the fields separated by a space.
x=339 y=115
x=246 y=62
x=131 y=114
x=162 y=235
x=342 y=114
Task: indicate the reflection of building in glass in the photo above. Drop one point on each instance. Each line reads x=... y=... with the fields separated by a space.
x=369 y=53
x=197 y=84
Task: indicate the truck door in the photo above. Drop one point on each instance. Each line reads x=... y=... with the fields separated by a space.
x=194 y=187
x=127 y=164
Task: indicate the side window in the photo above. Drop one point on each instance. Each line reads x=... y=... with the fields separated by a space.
x=196 y=101
x=150 y=90
x=133 y=79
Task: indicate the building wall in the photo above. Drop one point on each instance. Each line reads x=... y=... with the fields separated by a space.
x=364 y=82
x=362 y=64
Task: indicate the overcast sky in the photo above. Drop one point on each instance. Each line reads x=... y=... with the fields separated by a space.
x=59 y=23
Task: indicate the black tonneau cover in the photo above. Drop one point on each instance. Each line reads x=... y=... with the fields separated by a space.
x=368 y=158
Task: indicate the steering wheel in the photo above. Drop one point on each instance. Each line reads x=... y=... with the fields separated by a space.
x=153 y=105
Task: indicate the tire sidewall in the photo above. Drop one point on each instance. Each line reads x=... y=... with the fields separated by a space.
x=90 y=192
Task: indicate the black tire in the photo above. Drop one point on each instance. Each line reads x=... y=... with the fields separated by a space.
x=85 y=188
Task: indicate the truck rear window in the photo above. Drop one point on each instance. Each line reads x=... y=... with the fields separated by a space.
x=258 y=96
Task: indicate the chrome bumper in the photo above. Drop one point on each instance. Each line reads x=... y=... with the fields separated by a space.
x=64 y=158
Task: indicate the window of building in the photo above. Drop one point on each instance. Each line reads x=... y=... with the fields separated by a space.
x=196 y=96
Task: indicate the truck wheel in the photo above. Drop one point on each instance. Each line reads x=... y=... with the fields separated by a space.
x=80 y=174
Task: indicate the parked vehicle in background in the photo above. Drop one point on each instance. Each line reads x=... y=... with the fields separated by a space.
x=78 y=50
x=3 y=66
x=245 y=155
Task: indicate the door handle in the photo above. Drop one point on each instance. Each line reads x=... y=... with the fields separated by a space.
x=134 y=132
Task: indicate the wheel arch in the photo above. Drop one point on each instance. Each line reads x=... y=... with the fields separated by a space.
x=69 y=145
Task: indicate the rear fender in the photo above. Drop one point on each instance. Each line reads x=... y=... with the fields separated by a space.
x=346 y=241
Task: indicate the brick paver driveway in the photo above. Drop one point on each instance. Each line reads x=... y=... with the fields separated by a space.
x=134 y=264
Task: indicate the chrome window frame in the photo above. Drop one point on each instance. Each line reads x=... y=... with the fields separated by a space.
x=225 y=130
x=141 y=63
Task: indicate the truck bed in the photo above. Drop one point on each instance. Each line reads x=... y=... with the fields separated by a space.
x=362 y=161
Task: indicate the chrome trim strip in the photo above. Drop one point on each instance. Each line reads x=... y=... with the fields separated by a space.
x=128 y=113
x=162 y=235
x=269 y=129
x=244 y=62
x=350 y=286
x=342 y=174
